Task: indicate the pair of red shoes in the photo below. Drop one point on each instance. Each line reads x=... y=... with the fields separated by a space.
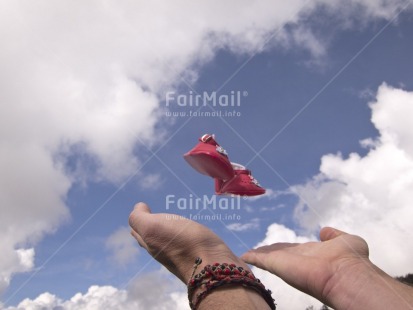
x=209 y=158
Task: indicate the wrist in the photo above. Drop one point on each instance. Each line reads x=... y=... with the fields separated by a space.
x=227 y=281
x=221 y=254
x=347 y=280
x=365 y=286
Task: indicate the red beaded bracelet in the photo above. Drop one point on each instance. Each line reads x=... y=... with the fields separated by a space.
x=216 y=275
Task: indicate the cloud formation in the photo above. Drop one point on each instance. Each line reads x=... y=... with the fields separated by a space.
x=252 y=224
x=366 y=195
x=122 y=246
x=370 y=195
x=152 y=291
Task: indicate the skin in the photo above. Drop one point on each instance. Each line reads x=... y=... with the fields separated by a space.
x=336 y=270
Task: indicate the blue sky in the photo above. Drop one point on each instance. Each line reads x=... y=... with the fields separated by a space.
x=85 y=134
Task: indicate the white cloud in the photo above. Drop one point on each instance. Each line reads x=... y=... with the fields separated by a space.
x=151 y=181
x=14 y=261
x=157 y=290
x=43 y=301
x=122 y=246
x=370 y=195
x=80 y=87
x=97 y=297
x=251 y=225
x=269 y=194
x=279 y=233
x=31 y=203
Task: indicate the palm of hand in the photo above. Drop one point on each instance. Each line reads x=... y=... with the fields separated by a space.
x=175 y=241
x=311 y=266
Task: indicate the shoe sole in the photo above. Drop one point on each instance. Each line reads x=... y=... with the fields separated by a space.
x=206 y=163
x=243 y=193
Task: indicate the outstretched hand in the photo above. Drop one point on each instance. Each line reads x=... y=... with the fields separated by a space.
x=175 y=241
x=315 y=268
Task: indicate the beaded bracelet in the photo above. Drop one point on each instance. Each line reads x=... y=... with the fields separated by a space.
x=216 y=275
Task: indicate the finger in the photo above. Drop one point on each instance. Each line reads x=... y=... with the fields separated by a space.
x=281 y=263
x=137 y=216
x=252 y=257
x=255 y=256
x=329 y=233
x=141 y=207
x=275 y=247
x=271 y=248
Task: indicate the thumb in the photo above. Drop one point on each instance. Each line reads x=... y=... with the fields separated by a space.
x=141 y=207
x=137 y=218
x=138 y=215
x=329 y=233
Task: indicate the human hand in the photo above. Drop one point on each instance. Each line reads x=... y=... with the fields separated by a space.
x=317 y=268
x=175 y=241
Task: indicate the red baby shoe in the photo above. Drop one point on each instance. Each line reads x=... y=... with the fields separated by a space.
x=209 y=158
x=243 y=184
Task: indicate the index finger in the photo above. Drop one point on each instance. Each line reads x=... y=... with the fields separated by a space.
x=264 y=257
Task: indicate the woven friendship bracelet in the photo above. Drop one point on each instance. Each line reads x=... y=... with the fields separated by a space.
x=216 y=275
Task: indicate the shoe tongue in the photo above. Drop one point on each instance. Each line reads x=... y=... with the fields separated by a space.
x=212 y=141
x=209 y=139
x=246 y=171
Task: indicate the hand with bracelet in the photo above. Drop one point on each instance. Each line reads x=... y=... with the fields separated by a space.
x=176 y=243
x=336 y=270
